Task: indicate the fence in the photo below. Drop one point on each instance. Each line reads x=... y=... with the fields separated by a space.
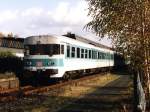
x=141 y=96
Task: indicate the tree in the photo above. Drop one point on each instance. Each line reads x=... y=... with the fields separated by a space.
x=1 y=35
x=127 y=23
x=6 y=54
x=10 y=35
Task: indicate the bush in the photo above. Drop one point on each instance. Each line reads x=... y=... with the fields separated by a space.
x=10 y=63
x=6 y=54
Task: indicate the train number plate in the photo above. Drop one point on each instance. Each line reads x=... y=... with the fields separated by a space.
x=39 y=64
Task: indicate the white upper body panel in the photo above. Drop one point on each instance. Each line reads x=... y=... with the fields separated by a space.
x=54 y=39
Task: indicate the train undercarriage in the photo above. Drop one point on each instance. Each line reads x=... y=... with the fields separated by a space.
x=43 y=77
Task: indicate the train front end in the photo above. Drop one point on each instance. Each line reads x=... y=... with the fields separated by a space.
x=43 y=56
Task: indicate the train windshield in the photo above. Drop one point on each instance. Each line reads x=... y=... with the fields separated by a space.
x=42 y=49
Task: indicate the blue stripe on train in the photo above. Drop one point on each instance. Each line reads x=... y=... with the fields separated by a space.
x=44 y=62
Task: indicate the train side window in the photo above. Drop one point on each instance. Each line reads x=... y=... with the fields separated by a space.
x=104 y=55
x=73 y=52
x=82 y=53
x=78 y=52
x=86 y=53
x=56 y=47
x=92 y=54
x=112 y=56
x=68 y=51
x=107 y=56
x=62 y=49
x=98 y=55
x=101 y=55
x=89 y=53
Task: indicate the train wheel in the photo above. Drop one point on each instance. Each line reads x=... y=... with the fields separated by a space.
x=66 y=76
x=34 y=81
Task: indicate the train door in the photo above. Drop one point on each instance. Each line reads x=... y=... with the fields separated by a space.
x=62 y=49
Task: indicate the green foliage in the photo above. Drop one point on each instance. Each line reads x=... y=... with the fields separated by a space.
x=127 y=23
x=6 y=54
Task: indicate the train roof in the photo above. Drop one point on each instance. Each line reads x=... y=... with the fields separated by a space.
x=68 y=36
x=82 y=39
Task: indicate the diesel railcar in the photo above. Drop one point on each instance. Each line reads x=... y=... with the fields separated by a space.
x=55 y=56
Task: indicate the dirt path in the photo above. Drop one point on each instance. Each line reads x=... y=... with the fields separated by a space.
x=113 y=97
x=104 y=93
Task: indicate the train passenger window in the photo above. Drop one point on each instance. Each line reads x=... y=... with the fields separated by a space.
x=73 y=52
x=89 y=53
x=98 y=55
x=62 y=49
x=85 y=53
x=68 y=51
x=104 y=56
x=82 y=53
x=108 y=56
x=92 y=54
x=78 y=52
x=112 y=56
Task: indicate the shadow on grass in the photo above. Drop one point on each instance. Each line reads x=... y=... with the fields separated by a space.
x=114 y=97
x=104 y=99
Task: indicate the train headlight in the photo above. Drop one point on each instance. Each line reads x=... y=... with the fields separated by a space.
x=52 y=63
x=49 y=63
x=29 y=63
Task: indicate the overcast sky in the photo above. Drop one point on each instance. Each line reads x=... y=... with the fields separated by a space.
x=35 y=17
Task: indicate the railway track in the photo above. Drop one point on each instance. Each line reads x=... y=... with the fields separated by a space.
x=92 y=93
x=60 y=84
x=13 y=94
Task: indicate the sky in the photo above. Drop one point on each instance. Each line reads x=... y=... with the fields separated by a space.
x=36 y=17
